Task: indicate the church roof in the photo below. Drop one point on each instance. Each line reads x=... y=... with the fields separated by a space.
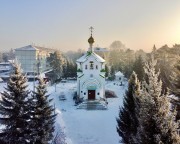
x=119 y=74
x=87 y=55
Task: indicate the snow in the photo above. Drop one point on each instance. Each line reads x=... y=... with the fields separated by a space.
x=87 y=127
x=1 y=80
x=29 y=47
x=119 y=74
x=79 y=126
x=173 y=97
x=85 y=56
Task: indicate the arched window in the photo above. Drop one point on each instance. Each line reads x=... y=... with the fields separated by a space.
x=96 y=66
x=91 y=65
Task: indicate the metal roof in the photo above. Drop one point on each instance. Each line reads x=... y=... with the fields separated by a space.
x=87 y=55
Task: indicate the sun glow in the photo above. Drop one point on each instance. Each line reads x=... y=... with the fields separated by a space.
x=177 y=31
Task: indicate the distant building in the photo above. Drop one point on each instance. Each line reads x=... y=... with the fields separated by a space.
x=119 y=79
x=33 y=59
x=91 y=75
x=119 y=76
x=5 y=67
x=5 y=70
x=98 y=49
x=103 y=52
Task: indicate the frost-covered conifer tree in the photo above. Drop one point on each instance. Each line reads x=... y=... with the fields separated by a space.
x=138 y=67
x=57 y=64
x=156 y=122
x=13 y=109
x=42 y=116
x=127 y=120
x=176 y=89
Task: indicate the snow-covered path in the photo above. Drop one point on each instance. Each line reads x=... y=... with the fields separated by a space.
x=87 y=127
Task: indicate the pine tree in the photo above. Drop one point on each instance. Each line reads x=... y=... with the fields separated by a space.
x=112 y=73
x=14 y=110
x=156 y=122
x=57 y=61
x=127 y=121
x=65 y=68
x=176 y=89
x=70 y=70
x=138 y=67
x=73 y=69
x=165 y=64
x=107 y=71
x=42 y=116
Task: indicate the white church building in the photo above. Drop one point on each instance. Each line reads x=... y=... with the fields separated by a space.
x=91 y=74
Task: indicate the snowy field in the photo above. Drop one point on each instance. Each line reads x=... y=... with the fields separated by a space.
x=84 y=126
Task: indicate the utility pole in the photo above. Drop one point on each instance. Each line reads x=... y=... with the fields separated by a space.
x=55 y=86
x=34 y=77
x=38 y=65
x=54 y=109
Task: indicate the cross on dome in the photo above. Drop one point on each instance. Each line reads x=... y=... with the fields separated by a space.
x=91 y=30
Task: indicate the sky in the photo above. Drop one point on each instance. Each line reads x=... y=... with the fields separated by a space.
x=64 y=24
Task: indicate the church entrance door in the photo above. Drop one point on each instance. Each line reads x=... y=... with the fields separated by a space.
x=91 y=94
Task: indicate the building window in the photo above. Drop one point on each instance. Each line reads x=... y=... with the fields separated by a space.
x=84 y=93
x=85 y=66
x=96 y=66
x=81 y=91
x=91 y=64
x=98 y=93
x=91 y=75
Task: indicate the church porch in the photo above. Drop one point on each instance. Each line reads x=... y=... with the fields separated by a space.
x=93 y=105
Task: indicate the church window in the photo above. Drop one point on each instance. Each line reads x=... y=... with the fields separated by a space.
x=85 y=66
x=91 y=64
x=96 y=66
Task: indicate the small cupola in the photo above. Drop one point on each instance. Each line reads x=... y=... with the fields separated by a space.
x=91 y=39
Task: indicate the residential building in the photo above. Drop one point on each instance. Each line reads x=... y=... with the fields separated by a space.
x=33 y=59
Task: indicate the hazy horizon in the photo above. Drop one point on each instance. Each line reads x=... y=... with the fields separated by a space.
x=64 y=25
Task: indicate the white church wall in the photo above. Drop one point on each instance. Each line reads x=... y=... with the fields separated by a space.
x=88 y=69
x=84 y=93
x=86 y=80
x=90 y=74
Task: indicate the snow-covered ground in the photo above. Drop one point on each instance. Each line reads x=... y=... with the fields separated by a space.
x=84 y=126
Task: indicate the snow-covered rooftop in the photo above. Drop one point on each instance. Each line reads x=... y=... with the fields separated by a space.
x=119 y=74
x=87 y=55
x=1 y=80
x=32 y=48
x=98 y=49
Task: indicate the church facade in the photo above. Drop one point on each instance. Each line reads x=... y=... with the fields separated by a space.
x=91 y=75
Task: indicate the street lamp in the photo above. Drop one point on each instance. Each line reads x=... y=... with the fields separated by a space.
x=34 y=76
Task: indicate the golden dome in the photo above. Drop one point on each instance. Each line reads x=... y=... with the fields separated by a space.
x=91 y=40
